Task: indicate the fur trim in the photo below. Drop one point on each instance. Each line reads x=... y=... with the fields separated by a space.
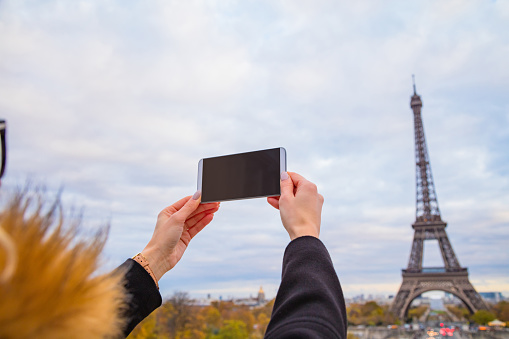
x=53 y=291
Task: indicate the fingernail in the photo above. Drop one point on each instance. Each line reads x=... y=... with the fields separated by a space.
x=196 y=195
x=284 y=176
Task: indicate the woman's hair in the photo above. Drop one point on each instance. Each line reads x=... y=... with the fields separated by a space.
x=49 y=287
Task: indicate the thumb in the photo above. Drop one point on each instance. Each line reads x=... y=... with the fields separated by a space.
x=190 y=206
x=286 y=185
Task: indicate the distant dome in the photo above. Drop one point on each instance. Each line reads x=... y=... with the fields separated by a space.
x=261 y=296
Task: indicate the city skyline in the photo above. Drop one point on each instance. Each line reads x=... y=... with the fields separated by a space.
x=117 y=102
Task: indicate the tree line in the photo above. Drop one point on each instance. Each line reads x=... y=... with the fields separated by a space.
x=498 y=311
x=179 y=318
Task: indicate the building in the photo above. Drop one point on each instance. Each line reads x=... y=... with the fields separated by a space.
x=259 y=300
x=492 y=297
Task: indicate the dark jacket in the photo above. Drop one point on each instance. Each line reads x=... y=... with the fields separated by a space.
x=309 y=303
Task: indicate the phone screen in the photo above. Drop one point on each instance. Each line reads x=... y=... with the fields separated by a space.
x=241 y=176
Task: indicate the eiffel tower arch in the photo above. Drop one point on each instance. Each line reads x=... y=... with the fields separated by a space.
x=428 y=225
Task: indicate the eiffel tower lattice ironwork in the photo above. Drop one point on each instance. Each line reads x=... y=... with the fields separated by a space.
x=451 y=278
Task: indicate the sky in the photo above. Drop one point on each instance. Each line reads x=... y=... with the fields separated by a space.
x=115 y=102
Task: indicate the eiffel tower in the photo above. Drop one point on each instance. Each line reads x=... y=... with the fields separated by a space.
x=451 y=278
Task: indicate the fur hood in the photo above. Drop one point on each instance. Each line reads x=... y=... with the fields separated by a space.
x=48 y=284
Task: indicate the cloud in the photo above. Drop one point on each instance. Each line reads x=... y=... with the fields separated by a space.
x=117 y=102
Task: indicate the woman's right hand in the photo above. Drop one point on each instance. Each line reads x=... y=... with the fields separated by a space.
x=300 y=205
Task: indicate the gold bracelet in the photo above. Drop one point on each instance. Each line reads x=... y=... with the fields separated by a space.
x=140 y=259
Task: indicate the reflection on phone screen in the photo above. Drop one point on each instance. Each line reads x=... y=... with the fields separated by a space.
x=239 y=176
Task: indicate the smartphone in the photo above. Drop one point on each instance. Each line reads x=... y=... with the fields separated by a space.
x=241 y=176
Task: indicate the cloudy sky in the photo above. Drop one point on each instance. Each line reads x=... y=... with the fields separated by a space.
x=116 y=102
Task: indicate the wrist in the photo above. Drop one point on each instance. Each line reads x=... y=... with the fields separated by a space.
x=304 y=234
x=156 y=261
x=144 y=263
x=298 y=232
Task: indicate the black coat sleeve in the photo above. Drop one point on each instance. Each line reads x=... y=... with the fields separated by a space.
x=143 y=297
x=310 y=302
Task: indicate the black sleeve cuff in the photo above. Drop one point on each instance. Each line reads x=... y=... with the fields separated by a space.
x=143 y=296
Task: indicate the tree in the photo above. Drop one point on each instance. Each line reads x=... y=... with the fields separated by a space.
x=262 y=321
x=372 y=313
x=145 y=330
x=178 y=318
x=191 y=334
x=245 y=315
x=417 y=312
x=353 y=314
x=501 y=311
x=181 y=312
x=369 y=313
x=212 y=318
x=233 y=329
x=461 y=312
x=483 y=317
x=266 y=309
